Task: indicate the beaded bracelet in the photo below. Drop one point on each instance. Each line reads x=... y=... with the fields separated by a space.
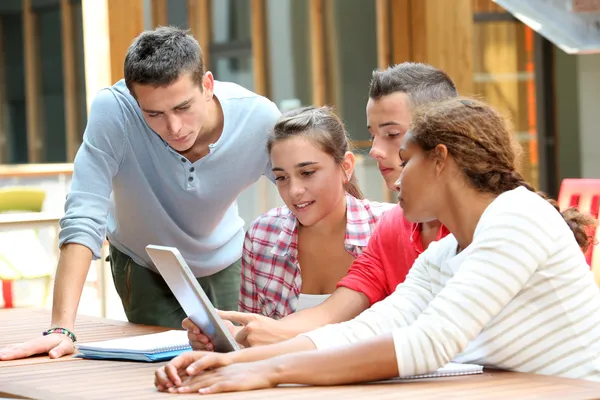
x=64 y=331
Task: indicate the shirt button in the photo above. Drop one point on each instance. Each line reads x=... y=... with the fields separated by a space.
x=192 y=169
x=191 y=178
x=183 y=159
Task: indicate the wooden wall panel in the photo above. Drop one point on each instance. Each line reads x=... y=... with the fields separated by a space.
x=200 y=26
x=258 y=36
x=401 y=31
x=316 y=22
x=96 y=47
x=442 y=35
x=72 y=100
x=159 y=13
x=384 y=46
x=486 y=6
x=504 y=77
x=126 y=21
x=33 y=85
x=109 y=27
x=3 y=104
x=332 y=61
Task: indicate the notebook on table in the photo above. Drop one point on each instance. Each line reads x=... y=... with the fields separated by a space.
x=450 y=369
x=161 y=346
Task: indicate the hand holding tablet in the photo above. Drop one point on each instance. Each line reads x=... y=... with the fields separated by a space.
x=193 y=300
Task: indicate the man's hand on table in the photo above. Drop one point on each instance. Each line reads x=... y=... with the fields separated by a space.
x=55 y=345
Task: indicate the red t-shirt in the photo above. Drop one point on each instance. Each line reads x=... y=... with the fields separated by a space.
x=393 y=248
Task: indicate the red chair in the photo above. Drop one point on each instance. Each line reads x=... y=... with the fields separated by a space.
x=585 y=195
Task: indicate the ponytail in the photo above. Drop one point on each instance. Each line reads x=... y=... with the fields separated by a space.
x=581 y=224
x=353 y=188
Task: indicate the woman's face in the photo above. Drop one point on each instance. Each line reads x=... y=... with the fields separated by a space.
x=419 y=186
x=309 y=180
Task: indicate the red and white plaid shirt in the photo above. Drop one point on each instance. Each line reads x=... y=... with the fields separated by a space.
x=271 y=279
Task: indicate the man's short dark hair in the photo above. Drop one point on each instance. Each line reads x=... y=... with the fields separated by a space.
x=421 y=82
x=158 y=58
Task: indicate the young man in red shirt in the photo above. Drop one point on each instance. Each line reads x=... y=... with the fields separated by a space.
x=394 y=245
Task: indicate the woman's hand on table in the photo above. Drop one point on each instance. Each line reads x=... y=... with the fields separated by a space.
x=188 y=364
x=230 y=378
x=256 y=329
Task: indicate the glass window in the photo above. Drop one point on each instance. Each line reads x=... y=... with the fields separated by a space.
x=289 y=50
x=177 y=13
x=503 y=64
x=53 y=95
x=230 y=20
x=351 y=33
x=233 y=69
x=14 y=110
x=231 y=48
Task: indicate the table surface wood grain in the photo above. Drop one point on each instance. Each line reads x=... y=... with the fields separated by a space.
x=71 y=378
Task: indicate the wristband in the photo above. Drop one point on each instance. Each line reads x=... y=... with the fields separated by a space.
x=63 y=331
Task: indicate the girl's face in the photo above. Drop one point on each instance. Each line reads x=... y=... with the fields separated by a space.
x=309 y=180
x=419 y=186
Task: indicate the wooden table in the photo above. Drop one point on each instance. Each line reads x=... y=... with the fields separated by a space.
x=69 y=378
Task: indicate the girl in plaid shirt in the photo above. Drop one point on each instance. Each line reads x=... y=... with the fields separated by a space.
x=324 y=225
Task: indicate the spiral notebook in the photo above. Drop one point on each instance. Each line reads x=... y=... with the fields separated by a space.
x=450 y=369
x=161 y=346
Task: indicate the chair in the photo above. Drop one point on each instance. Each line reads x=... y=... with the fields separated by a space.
x=21 y=254
x=585 y=195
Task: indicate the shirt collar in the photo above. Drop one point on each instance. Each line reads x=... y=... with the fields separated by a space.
x=358 y=229
x=415 y=236
x=358 y=222
x=288 y=235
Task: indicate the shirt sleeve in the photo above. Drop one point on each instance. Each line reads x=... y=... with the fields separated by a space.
x=270 y=116
x=96 y=164
x=269 y=171
x=368 y=273
x=498 y=264
x=248 y=300
x=398 y=310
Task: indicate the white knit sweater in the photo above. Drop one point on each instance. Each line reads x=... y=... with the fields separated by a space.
x=521 y=297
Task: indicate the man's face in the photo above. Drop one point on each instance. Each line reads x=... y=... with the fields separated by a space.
x=178 y=112
x=388 y=119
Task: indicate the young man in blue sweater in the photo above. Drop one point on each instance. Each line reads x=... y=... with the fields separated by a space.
x=165 y=154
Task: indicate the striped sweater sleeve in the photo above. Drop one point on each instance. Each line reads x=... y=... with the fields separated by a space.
x=507 y=249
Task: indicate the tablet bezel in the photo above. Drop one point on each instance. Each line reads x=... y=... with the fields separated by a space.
x=181 y=282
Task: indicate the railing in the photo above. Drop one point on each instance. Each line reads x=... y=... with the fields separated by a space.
x=16 y=221
x=35 y=170
x=12 y=221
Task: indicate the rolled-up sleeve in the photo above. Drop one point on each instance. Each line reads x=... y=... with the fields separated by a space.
x=96 y=164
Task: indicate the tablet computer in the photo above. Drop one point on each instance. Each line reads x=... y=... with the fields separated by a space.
x=191 y=297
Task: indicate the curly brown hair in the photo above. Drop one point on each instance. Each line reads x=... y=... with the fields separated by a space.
x=479 y=140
